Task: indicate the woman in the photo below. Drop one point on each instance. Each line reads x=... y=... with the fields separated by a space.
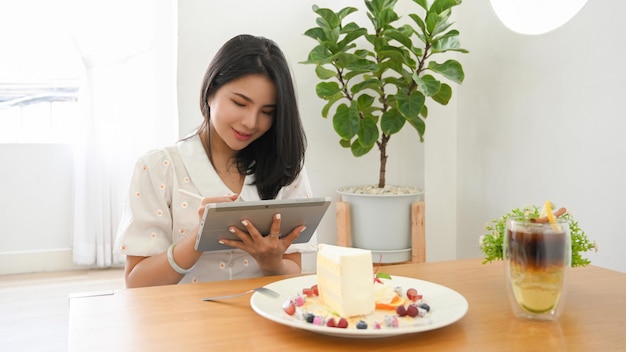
x=250 y=146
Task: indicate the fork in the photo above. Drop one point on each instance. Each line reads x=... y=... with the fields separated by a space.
x=264 y=290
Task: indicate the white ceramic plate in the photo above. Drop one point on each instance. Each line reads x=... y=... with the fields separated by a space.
x=447 y=306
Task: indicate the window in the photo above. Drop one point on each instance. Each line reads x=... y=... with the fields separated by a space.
x=39 y=73
x=42 y=112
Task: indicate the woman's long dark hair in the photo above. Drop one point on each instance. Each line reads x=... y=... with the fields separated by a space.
x=276 y=158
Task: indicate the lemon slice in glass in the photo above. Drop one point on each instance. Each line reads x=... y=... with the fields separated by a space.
x=547 y=208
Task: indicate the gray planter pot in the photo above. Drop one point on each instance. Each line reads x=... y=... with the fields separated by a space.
x=381 y=223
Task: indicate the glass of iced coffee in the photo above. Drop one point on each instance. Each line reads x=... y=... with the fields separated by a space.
x=537 y=258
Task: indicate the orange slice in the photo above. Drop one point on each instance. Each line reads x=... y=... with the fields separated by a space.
x=395 y=302
x=548 y=207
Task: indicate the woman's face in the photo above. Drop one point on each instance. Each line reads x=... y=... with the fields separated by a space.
x=242 y=110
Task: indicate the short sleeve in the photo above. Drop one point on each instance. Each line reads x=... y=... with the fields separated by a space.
x=146 y=223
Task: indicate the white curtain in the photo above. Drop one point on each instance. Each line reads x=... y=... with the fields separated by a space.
x=128 y=97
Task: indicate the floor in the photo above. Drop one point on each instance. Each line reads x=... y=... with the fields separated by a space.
x=34 y=307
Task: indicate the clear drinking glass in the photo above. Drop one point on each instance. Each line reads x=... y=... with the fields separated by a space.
x=537 y=258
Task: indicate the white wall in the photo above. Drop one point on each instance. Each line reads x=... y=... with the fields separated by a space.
x=35 y=213
x=542 y=118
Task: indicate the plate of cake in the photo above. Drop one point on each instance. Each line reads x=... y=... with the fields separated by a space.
x=346 y=298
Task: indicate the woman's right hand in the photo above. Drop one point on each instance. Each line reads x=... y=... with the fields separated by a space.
x=219 y=199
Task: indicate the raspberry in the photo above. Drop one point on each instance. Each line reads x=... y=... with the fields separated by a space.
x=331 y=323
x=315 y=290
x=342 y=324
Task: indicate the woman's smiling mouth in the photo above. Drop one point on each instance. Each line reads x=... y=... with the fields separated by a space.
x=241 y=136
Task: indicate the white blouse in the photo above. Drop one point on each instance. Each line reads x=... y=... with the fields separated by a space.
x=156 y=214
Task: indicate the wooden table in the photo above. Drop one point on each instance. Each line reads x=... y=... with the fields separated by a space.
x=173 y=318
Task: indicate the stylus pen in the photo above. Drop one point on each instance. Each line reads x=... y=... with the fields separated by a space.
x=193 y=195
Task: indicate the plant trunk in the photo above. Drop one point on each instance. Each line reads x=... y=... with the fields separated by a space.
x=382 y=146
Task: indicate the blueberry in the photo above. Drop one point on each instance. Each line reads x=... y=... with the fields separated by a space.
x=425 y=307
x=361 y=325
x=309 y=317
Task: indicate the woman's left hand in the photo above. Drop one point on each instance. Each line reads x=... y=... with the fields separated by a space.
x=267 y=250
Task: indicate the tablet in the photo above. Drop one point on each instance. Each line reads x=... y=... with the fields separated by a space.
x=218 y=217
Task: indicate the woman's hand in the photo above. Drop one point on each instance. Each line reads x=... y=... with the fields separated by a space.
x=209 y=200
x=268 y=250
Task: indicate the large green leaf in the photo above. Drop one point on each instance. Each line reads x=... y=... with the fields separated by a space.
x=350 y=27
x=352 y=36
x=386 y=17
x=432 y=19
x=440 y=6
x=365 y=101
x=323 y=73
x=316 y=33
x=325 y=90
x=399 y=36
x=344 y=59
x=421 y=25
x=410 y=105
x=358 y=149
x=368 y=133
x=394 y=54
x=346 y=121
x=392 y=121
x=441 y=26
x=345 y=12
x=444 y=94
x=419 y=126
x=331 y=101
x=328 y=18
x=450 y=69
x=428 y=84
x=373 y=84
x=447 y=43
x=318 y=55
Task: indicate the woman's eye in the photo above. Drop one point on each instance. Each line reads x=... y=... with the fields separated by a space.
x=238 y=103
x=270 y=112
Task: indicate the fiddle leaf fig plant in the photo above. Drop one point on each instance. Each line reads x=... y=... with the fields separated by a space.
x=378 y=79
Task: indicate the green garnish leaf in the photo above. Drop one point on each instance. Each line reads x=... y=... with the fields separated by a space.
x=383 y=276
